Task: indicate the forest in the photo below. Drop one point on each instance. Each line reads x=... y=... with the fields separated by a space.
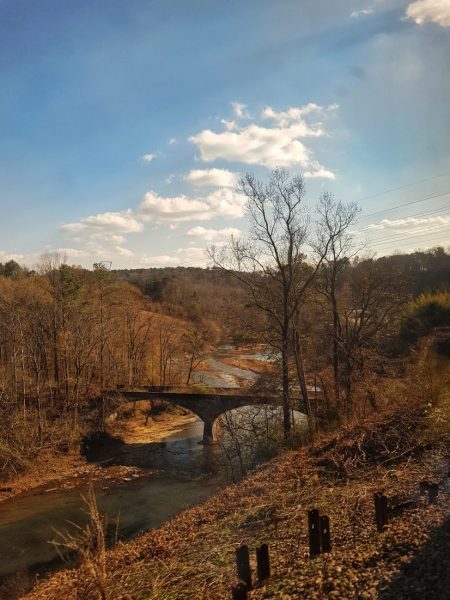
x=70 y=336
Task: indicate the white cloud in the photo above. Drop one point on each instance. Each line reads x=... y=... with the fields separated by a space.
x=71 y=252
x=320 y=172
x=240 y=110
x=279 y=145
x=229 y=125
x=213 y=235
x=6 y=256
x=177 y=208
x=188 y=257
x=412 y=225
x=212 y=177
x=297 y=115
x=358 y=13
x=101 y=236
x=123 y=251
x=108 y=226
x=149 y=157
x=172 y=141
x=434 y=11
x=222 y=202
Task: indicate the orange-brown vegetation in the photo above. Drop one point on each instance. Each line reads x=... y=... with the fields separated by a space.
x=192 y=556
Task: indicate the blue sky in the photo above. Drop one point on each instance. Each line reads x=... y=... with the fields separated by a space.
x=124 y=125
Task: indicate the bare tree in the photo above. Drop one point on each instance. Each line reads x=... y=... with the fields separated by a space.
x=371 y=298
x=336 y=246
x=270 y=263
x=196 y=348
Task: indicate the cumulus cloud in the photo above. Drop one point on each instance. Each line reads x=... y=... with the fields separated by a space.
x=278 y=144
x=212 y=177
x=213 y=235
x=412 y=225
x=359 y=13
x=102 y=235
x=188 y=257
x=163 y=209
x=319 y=172
x=107 y=226
x=149 y=157
x=434 y=11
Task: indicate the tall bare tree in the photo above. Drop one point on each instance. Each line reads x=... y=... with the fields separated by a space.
x=270 y=263
x=336 y=247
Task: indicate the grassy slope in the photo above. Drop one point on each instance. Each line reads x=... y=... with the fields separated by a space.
x=192 y=556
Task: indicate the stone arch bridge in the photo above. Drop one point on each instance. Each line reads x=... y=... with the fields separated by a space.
x=206 y=406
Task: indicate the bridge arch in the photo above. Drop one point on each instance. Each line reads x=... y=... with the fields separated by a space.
x=206 y=406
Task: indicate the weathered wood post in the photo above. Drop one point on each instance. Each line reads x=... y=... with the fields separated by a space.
x=263 y=562
x=314 y=532
x=433 y=493
x=325 y=536
x=243 y=566
x=239 y=592
x=381 y=510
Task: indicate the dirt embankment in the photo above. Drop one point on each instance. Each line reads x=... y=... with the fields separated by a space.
x=65 y=471
x=192 y=556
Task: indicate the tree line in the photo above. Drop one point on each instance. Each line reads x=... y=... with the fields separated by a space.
x=304 y=276
x=332 y=315
x=68 y=336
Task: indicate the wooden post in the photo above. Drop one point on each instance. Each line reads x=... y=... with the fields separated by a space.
x=263 y=562
x=423 y=487
x=381 y=510
x=314 y=532
x=325 y=537
x=239 y=592
x=378 y=520
x=385 y=509
x=243 y=566
x=433 y=492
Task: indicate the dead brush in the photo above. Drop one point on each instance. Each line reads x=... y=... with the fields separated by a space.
x=381 y=440
x=88 y=544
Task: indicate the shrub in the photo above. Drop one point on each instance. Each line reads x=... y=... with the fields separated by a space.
x=429 y=311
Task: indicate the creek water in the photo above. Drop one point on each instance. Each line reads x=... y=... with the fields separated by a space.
x=184 y=477
x=28 y=523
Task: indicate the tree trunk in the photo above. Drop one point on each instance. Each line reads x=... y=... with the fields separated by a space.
x=285 y=384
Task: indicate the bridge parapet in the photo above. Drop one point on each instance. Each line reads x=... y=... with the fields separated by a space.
x=206 y=406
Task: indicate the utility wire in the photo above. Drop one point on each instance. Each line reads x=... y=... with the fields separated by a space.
x=434 y=212
x=406 y=204
x=401 y=187
x=394 y=239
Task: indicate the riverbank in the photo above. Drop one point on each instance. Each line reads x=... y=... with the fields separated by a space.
x=192 y=556
x=66 y=471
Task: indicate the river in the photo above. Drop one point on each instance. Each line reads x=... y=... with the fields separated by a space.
x=180 y=473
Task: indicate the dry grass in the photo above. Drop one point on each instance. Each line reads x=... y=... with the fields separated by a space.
x=88 y=544
x=192 y=556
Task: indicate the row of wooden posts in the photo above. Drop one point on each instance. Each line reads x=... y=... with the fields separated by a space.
x=319 y=536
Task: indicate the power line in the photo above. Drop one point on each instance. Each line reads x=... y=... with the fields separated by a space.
x=408 y=243
x=434 y=212
x=406 y=204
x=401 y=187
x=394 y=239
